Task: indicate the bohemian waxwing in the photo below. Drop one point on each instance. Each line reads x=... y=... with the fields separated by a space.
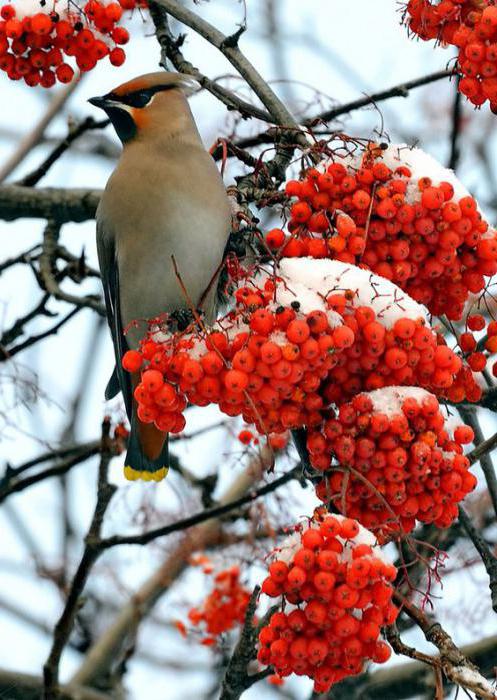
x=165 y=200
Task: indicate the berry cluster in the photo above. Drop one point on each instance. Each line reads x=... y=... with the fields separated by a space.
x=294 y=345
x=471 y=27
x=383 y=212
x=224 y=607
x=407 y=353
x=35 y=46
x=337 y=577
x=267 y=366
x=395 y=461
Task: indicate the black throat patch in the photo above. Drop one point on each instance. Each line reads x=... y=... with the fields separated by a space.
x=123 y=123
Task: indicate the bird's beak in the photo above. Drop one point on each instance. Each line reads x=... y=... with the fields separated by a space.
x=98 y=102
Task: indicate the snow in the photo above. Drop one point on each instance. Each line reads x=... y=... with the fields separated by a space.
x=291 y=544
x=473 y=680
x=390 y=399
x=421 y=164
x=311 y=280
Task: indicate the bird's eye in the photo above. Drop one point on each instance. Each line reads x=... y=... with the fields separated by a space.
x=139 y=99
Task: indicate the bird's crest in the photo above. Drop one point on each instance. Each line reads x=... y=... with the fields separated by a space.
x=157 y=82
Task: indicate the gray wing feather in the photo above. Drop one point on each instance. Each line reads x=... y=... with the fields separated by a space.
x=120 y=380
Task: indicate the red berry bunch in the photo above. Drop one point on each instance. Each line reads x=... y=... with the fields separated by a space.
x=224 y=607
x=35 y=46
x=394 y=211
x=407 y=353
x=471 y=26
x=266 y=365
x=341 y=584
x=391 y=461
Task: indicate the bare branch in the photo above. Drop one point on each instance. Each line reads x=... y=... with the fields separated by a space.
x=47 y=271
x=237 y=679
x=58 y=204
x=105 y=651
x=488 y=559
x=171 y=50
x=63 y=628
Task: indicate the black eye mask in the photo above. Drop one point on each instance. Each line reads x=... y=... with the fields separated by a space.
x=139 y=98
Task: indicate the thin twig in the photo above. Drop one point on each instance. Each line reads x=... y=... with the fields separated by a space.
x=488 y=559
x=201 y=517
x=74 y=133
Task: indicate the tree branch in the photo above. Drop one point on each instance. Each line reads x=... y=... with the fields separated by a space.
x=64 y=626
x=488 y=559
x=236 y=679
x=170 y=46
x=47 y=271
x=57 y=203
x=230 y=49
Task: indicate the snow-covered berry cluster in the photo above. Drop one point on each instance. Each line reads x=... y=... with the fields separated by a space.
x=266 y=365
x=314 y=333
x=391 y=461
x=399 y=213
x=471 y=26
x=336 y=590
x=223 y=608
x=39 y=40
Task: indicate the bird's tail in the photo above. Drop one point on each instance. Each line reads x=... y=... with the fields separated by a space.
x=137 y=464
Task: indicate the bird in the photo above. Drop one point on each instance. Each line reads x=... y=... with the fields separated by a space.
x=162 y=227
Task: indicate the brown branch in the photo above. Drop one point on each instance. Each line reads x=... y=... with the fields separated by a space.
x=57 y=203
x=64 y=626
x=455 y=150
x=412 y=679
x=170 y=46
x=22 y=686
x=110 y=645
x=455 y=665
x=10 y=483
x=236 y=678
x=47 y=271
x=483 y=453
x=228 y=46
x=401 y=90
x=33 y=339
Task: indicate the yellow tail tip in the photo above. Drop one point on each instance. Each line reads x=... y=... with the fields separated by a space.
x=134 y=474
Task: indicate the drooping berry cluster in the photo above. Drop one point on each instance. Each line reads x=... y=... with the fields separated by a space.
x=223 y=608
x=394 y=211
x=36 y=45
x=391 y=461
x=407 y=353
x=471 y=26
x=339 y=581
x=268 y=370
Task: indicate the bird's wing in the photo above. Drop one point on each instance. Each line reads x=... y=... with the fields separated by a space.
x=120 y=380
